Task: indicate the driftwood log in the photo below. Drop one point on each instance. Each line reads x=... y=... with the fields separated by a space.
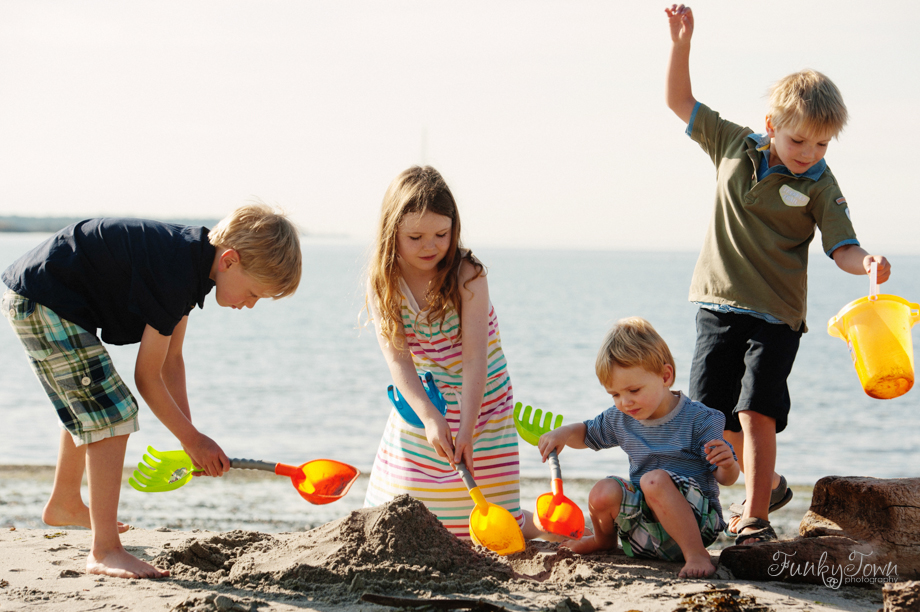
x=901 y=597
x=858 y=532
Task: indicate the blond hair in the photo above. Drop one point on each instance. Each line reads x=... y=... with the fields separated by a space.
x=416 y=190
x=809 y=100
x=268 y=244
x=632 y=342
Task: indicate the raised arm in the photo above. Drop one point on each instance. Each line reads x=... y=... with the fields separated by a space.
x=678 y=93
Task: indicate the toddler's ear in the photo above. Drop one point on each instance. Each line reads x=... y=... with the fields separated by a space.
x=667 y=375
x=771 y=132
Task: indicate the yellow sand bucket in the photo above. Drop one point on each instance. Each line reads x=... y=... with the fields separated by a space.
x=876 y=329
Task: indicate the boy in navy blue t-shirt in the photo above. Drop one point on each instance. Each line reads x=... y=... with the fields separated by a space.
x=135 y=281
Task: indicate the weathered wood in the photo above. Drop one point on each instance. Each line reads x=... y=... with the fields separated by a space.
x=901 y=597
x=858 y=531
x=477 y=605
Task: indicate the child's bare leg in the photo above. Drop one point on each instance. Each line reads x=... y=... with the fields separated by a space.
x=104 y=461
x=673 y=511
x=603 y=505
x=65 y=506
x=532 y=531
x=759 y=433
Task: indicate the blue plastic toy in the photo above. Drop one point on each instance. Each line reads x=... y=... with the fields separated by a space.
x=405 y=410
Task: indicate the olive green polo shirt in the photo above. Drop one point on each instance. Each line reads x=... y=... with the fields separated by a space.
x=755 y=253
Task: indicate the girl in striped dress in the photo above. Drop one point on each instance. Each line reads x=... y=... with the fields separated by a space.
x=429 y=301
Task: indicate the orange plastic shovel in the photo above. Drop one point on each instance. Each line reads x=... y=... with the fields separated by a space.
x=321 y=481
x=556 y=513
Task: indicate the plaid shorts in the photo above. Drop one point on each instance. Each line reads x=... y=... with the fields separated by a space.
x=642 y=536
x=92 y=401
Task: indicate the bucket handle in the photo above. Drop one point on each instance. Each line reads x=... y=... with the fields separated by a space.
x=873 y=281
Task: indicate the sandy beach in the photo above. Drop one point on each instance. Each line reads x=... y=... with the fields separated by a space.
x=398 y=552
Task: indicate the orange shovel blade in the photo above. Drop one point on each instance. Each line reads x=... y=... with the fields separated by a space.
x=557 y=514
x=321 y=481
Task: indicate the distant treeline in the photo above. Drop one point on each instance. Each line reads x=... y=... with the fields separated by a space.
x=53 y=224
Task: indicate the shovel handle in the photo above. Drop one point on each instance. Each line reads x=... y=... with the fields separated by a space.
x=873 y=281
x=466 y=476
x=554 y=467
x=253 y=464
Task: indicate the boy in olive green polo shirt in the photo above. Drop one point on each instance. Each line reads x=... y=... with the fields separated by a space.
x=750 y=279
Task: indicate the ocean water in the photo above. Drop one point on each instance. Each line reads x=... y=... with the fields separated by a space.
x=302 y=378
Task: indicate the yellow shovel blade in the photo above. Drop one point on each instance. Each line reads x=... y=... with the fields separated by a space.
x=494 y=527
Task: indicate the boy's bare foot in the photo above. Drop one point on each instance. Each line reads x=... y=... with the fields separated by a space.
x=587 y=544
x=122 y=564
x=57 y=516
x=698 y=567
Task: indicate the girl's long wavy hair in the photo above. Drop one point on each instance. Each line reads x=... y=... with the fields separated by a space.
x=416 y=190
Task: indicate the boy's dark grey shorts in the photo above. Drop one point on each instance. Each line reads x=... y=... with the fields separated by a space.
x=92 y=401
x=741 y=362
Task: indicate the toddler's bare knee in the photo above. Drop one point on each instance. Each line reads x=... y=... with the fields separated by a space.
x=654 y=480
x=606 y=494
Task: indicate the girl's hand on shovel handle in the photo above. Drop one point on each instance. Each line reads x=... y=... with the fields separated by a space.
x=463 y=449
x=207 y=456
x=439 y=437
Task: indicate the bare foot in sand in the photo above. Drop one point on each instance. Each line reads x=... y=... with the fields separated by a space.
x=698 y=567
x=58 y=516
x=588 y=544
x=122 y=564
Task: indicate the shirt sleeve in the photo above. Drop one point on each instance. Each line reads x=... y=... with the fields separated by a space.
x=600 y=432
x=713 y=133
x=832 y=216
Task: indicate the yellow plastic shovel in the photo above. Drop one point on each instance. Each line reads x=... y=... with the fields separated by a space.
x=491 y=525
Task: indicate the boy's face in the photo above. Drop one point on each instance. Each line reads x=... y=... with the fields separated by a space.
x=641 y=394
x=234 y=287
x=797 y=148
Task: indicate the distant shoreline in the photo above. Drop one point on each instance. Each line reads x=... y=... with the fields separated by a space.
x=17 y=224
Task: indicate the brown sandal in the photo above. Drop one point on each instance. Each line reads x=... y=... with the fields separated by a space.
x=763 y=532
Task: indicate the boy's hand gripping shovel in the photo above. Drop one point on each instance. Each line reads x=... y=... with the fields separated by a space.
x=321 y=481
x=556 y=513
x=491 y=525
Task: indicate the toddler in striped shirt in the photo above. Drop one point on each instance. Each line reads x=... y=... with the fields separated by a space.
x=669 y=507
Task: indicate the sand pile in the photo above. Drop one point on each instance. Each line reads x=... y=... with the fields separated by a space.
x=400 y=544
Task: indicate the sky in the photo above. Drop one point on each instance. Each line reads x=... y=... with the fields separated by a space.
x=547 y=118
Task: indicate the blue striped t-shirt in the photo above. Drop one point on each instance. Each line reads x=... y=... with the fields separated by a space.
x=675 y=442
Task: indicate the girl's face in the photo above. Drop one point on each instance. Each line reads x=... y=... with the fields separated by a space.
x=422 y=240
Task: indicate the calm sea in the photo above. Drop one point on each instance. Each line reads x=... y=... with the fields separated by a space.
x=302 y=378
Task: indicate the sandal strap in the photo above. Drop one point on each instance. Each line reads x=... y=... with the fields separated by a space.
x=751 y=522
x=777 y=495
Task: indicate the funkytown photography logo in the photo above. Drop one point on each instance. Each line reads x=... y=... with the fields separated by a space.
x=860 y=570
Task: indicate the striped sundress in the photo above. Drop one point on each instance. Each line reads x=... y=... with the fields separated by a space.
x=406 y=463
